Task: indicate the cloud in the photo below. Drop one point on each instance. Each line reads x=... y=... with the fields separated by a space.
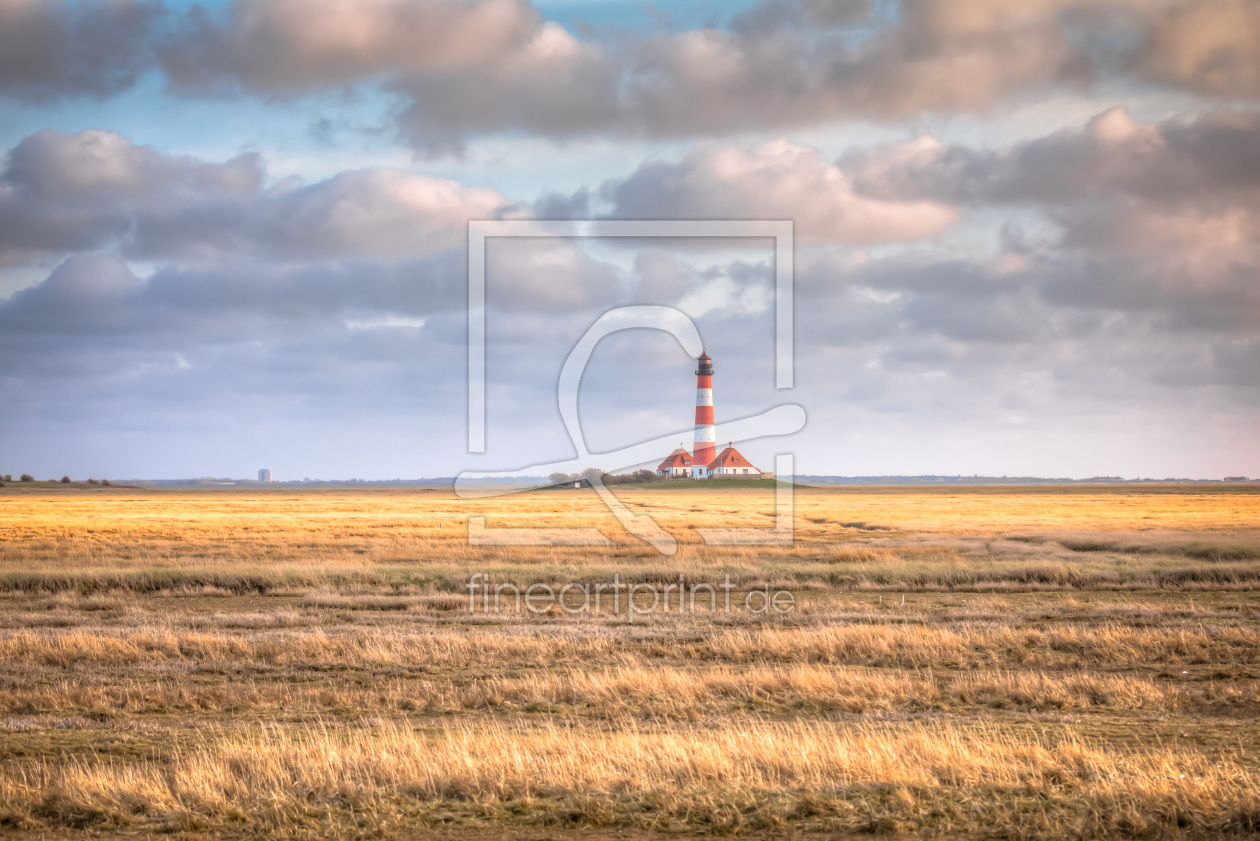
x=223 y=351
x=547 y=275
x=1117 y=183
x=93 y=316
x=87 y=294
x=553 y=85
x=221 y=295
x=774 y=181
x=1069 y=298
x=378 y=211
x=1207 y=46
x=298 y=46
x=495 y=66
x=782 y=65
x=466 y=69
x=1072 y=319
x=72 y=192
x=50 y=50
x=924 y=344
x=1179 y=160
x=1151 y=217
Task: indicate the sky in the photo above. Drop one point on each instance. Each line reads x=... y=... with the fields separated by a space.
x=233 y=235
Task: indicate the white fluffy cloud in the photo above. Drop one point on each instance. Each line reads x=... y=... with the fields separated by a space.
x=491 y=66
x=376 y=212
x=199 y=288
x=780 y=65
x=302 y=45
x=69 y=192
x=775 y=181
x=1117 y=183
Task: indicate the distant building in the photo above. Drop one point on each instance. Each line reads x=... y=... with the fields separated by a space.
x=264 y=475
x=729 y=463
x=678 y=464
x=707 y=462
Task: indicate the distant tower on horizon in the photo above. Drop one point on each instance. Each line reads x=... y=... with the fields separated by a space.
x=264 y=475
x=706 y=439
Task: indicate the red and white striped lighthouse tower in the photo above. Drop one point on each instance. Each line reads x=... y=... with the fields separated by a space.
x=706 y=439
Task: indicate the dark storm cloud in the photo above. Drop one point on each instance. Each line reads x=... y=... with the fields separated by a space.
x=49 y=50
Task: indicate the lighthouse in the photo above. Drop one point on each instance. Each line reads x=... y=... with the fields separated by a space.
x=707 y=463
x=706 y=440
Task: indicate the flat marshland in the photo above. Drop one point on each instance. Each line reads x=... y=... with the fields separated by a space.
x=1013 y=662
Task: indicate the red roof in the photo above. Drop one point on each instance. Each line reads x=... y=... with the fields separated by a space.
x=730 y=457
x=678 y=458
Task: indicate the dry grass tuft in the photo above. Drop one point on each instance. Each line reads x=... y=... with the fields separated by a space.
x=277 y=777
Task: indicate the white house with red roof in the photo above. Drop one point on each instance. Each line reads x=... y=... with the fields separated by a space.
x=678 y=464
x=730 y=463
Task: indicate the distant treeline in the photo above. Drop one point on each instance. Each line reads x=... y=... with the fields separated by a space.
x=644 y=475
x=638 y=477
x=1001 y=480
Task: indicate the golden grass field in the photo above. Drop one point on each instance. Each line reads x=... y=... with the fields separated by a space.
x=1005 y=662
